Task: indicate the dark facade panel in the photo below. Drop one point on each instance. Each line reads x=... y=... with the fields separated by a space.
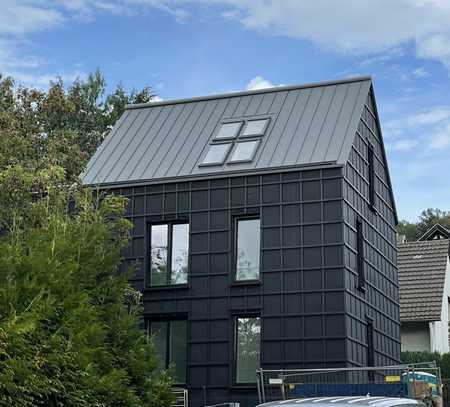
x=300 y=298
x=376 y=304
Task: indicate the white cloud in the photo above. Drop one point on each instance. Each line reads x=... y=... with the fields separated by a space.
x=22 y=17
x=432 y=116
x=403 y=145
x=420 y=73
x=363 y=27
x=258 y=82
x=157 y=98
x=441 y=139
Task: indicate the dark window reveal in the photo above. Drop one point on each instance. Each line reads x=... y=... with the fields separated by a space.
x=170 y=341
x=248 y=344
x=371 y=157
x=360 y=255
x=370 y=346
x=169 y=254
x=247 y=249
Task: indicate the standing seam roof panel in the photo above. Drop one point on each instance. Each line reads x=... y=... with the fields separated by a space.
x=272 y=139
x=291 y=130
x=319 y=152
x=180 y=141
x=315 y=129
x=152 y=154
x=135 y=140
x=168 y=142
x=310 y=124
x=128 y=163
x=299 y=138
x=358 y=108
x=105 y=143
x=104 y=158
x=149 y=140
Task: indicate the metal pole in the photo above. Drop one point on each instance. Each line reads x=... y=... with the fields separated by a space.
x=258 y=384
x=263 y=392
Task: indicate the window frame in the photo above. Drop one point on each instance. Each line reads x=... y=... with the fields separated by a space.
x=233 y=141
x=371 y=174
x=244 y=160
x=370 y=337
x=234 y=318
x=223 y=123
x=236 y=220
x=227 y=142
x=167 y=356
x=149 y=274
x=244 y=127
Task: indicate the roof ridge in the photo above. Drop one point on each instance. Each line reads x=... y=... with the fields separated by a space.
x=250 y=92
x=424 y=242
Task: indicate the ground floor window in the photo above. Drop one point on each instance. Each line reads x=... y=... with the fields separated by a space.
x=170 y=340
x=248 y=345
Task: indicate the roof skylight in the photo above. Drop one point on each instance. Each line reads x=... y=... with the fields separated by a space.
x=244 y=151
x=216 y=153
x=243 y=135
x=255 y=127
x=228 y=130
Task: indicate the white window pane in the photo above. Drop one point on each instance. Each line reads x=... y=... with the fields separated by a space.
x=244 y=150
x=159 y=252
x=248 y=349
x=216 y=153
x=229 y=130
x=255 y=127
x=180 y=250
x=248 y=249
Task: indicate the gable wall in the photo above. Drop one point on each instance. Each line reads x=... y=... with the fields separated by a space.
x=380 y=301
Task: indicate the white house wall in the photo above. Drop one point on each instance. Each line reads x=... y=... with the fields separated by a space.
x=415 y=337
x=439 y=329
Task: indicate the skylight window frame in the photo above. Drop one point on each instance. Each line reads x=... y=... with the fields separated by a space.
x=235 y=140
x=217 y=139
x=228 y=142
x=235 y=146
x=263 y=131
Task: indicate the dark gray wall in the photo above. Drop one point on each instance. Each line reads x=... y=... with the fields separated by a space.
x=313 y=315
x=380 y=301
x=301 y=295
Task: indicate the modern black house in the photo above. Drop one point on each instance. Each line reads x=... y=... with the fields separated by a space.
x=264 y=232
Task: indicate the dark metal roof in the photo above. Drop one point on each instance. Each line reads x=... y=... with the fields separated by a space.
x=421 y=274
x=309 y=124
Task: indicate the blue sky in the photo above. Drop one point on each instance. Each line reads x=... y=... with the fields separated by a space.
x=185 y=48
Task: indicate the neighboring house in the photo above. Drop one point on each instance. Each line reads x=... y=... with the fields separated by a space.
x=264 y=232
x=437 y=231
x=424 y=280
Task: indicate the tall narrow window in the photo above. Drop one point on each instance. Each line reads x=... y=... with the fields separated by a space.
x=360 y=255
x=169 y=254
x=248 y=249
x=170 y=341
x=248 y=344
x=371 y=157
x=370 y=346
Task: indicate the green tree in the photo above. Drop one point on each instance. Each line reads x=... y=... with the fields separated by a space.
x=428 y=218
x=71 y=331
x=62 y=125
x=70 y=325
